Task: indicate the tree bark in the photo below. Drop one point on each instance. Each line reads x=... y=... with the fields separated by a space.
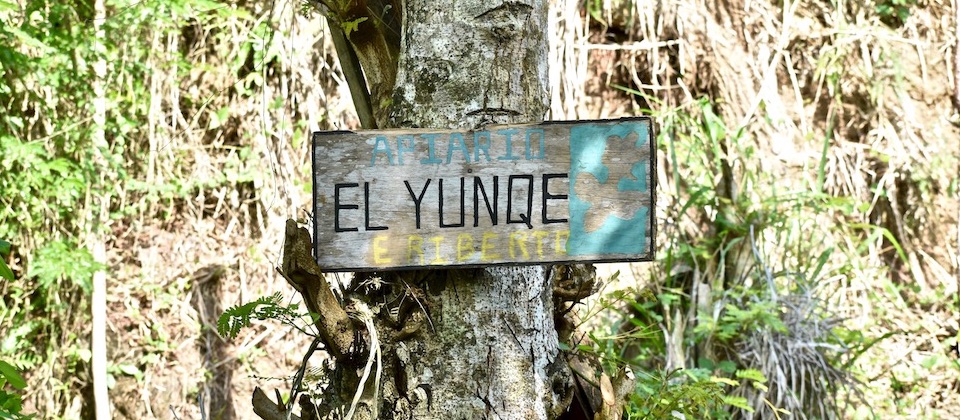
x=493 y=350
x=476 y=343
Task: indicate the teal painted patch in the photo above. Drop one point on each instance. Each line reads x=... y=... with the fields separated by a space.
x=589 y=169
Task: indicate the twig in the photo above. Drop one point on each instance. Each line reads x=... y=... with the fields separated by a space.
x=956 y=105
x=350 y=66
x=956 y=60
x=264 y=407
x=303 y=273
x=203 y=412
x=766 y=270
x=299 y=378
x=367 y=317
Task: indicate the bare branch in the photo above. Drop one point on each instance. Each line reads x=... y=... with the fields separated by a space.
x=303 y=273
x=264 y=407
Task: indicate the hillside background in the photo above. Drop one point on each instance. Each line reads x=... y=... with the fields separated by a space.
x=808 y=206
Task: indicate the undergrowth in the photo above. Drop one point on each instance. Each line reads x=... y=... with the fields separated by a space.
x=746 y=299
x=778 y=286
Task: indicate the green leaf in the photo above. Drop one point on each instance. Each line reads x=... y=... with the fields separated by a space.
x=11 y=406
x=866 y=346
x=727 y=366
x=886 y=234
x=930 y=361
x=13 y=377
x=726 y=381
x=751 y=374
x=714 y=124
x=26 y=39
x=351 y=26
x=6 y=6
x=5 y=271
x=238 y=317
x=4 y=247
x=60 y=260
x=738 y=402
x=821 y=261
x=128 y=369
x=706 y=363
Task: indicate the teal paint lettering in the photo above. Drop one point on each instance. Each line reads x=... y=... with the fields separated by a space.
x=478 y=138
x=431 y=150
x=457 y=145
x=509 y=140
x=381 y=140
x=401 y=141
x=530 y=133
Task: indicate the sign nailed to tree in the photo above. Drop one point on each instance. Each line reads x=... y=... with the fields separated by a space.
x=509 y=194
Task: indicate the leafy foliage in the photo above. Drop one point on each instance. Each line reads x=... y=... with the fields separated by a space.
x=732 y=287
x=239 y=317
x=57 y=184
x=11 y=403
x=5 y=272
x=894 y=12
x=669 y=395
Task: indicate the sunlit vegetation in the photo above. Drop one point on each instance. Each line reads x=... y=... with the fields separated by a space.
x=808 y=203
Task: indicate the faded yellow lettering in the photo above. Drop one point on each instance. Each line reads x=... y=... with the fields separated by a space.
x=486 y=247
x=465 y=247
x=518 y=238
x=436 y=242
x=414 y=246
x=561 y=247
x=539 y=235
x=379 y=252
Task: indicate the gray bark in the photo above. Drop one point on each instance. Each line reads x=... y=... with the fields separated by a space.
x=468 y=63
x=485 y=344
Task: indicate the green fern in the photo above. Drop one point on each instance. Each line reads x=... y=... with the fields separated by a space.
x=238 y=317
x=679 y=393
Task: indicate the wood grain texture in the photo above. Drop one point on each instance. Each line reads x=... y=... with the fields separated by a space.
x=508 y=194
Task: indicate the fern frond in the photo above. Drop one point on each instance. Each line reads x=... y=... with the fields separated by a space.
x=238 y=317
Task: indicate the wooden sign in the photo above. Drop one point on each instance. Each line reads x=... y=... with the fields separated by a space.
x=511 y=194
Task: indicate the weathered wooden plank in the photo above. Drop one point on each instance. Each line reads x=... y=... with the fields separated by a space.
x=509 y=194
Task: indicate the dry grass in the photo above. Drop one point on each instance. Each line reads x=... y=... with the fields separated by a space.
x=798 y=76
x=794 y=76
x=185 y=256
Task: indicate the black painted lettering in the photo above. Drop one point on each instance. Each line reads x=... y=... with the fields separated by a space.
x=547 y=196
x=524 y=218
x=366 y=209
x=477 y=190
x=417 y=200
x=337 y=207
x=442 y=224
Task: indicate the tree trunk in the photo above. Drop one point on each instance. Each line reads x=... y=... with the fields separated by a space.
x=476 y=343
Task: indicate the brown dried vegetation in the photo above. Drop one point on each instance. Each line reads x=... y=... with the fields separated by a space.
x=808 y=82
